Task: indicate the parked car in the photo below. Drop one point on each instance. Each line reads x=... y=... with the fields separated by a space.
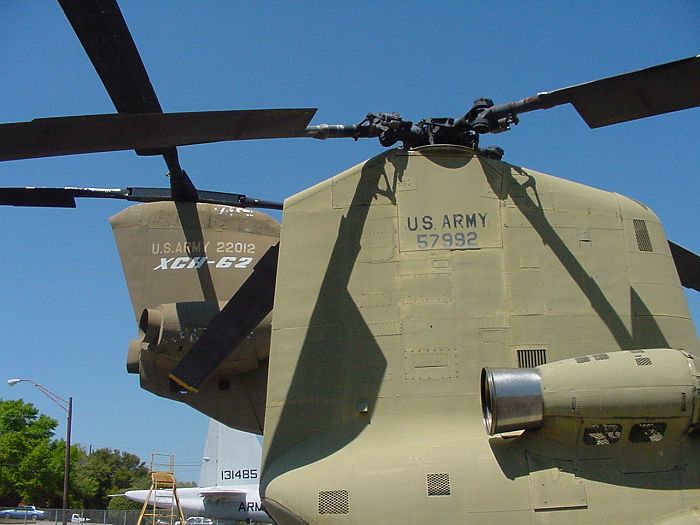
x=196 y=520
x=23 y=512
x=77 y=518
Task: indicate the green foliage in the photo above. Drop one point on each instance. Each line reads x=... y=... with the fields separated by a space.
x=25 y=447
x=18 y=416
x=108 y=471
x=41 y=474
x=122 y=503
x=32 y=464
x=83 y=488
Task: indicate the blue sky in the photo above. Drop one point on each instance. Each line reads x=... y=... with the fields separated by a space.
x=65 y=311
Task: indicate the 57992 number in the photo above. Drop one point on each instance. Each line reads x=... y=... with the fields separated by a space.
x=447 y=240
x=251 y=473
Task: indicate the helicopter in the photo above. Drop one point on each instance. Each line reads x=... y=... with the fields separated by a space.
x=374 y=376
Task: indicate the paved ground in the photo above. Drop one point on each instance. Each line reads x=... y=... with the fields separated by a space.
x=56 y=521
x=11 y=521
x=28 y=522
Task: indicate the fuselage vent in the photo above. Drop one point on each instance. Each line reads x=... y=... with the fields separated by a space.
x=438 y=484
x=333 y=502
x=642 y=234
x=531 y=358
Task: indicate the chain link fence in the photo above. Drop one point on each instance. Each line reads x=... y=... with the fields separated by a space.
x=90 y=517
x=83 y=516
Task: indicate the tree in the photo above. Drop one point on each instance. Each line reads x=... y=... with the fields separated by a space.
x=41 y=474
x=83 y=488
x=109 y=471
x=32 y=464
x=26 y=447
x=123 y=503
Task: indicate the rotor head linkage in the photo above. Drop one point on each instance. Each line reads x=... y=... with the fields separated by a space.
x=630 y=96
x=389 y=128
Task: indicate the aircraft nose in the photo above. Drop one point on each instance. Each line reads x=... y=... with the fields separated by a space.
x=136 y=495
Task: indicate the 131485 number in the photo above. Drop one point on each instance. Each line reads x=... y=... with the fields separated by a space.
x=241 y=473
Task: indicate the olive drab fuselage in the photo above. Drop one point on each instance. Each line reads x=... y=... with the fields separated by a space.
x=400 y=279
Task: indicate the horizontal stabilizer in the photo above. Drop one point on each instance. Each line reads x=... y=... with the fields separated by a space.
x=222 y=493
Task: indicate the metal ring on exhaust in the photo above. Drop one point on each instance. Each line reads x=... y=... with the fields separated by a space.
x=511 y=399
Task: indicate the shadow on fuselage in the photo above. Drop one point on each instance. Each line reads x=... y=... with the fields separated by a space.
x=340 y=360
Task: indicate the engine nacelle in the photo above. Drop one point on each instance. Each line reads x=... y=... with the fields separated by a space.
x=172 y=329
x=659 y=383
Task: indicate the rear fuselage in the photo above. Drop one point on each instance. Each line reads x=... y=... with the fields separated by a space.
x=398 y=280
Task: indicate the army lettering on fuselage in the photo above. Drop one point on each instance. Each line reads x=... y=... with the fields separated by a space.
x=193 y=255
x=189 y=263
x=452 y=231
x=193 y=248
x=448 y=221
x=250 y=506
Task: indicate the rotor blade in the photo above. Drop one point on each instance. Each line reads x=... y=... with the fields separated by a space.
x=652 y=91
x=65 y=197
x=38 y=197
x=92 y=133
x=687 y=264
x=630 y=96
x=244 y=311
x=102 y=31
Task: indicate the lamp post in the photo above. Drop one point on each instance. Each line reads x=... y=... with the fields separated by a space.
x=67 y=406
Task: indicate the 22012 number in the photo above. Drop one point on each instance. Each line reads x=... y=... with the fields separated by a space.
x=447 y=240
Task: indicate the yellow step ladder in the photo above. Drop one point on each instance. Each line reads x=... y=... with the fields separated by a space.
x=162 y=506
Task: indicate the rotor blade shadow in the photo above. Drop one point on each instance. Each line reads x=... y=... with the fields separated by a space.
x=192 y=228
x=645 y=330
x=339 y=360
x=533 y=211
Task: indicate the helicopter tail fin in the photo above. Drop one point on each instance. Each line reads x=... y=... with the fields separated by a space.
x=182 y=263
x=231 y=457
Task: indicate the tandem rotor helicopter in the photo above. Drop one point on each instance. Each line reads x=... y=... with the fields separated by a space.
x=472 y=340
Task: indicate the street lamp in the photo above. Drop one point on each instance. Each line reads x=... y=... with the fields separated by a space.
x=67 y=406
